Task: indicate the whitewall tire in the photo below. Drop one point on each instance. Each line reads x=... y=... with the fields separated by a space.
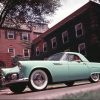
x=94 y=78
x=38 y=80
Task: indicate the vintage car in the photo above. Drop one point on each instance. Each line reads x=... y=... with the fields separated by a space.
x=63 y=67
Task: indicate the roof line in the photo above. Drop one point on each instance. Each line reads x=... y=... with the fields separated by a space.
x=15 y=29
x=68 y=18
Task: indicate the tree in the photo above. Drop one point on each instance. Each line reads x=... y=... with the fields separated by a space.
x=24 y=11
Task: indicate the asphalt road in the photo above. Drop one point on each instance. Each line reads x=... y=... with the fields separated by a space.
x=54 y=91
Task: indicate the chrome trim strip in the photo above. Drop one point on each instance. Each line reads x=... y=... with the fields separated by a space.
x=23 y=80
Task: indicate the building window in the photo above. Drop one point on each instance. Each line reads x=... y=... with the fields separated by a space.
x=24 y=36
x=26 y=53
x=79 y=30
x=44 y=47
x=11 y=51
x=82 y=48
x=10 y=35
x=54 y=42
x=37 y=51
x=65 y=36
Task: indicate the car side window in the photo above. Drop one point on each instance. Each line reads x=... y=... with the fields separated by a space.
x=73 y=57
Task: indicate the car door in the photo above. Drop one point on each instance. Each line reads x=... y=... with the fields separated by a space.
x=58 y=67
x=77 y=69
x=60 y=71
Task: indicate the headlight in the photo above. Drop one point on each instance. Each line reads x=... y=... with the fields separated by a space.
x=12 y=76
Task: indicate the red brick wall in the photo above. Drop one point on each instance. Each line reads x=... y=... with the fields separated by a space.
x=15 y=43
x=5 y=43
x=6 y=58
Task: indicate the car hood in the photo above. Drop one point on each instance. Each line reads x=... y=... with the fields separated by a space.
x=10 y=70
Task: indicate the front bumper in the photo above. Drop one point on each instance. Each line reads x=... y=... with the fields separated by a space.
x=6 y=82
x=24 y=80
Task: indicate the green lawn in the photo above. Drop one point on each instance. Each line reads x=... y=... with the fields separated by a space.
x=92 y=95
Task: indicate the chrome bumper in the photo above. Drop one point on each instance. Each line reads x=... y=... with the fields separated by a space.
x=7 y=83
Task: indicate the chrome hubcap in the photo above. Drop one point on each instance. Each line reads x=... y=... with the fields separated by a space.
x=38 y=79
x=95 y=76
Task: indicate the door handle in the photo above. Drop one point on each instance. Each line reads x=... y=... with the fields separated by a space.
x=84 y=63
x=57 y=63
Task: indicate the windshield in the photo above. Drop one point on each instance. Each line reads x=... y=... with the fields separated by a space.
x=56 y=57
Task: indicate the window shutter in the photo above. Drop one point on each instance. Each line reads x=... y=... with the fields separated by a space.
x=14 y=35
x=6 y=34
x=20 y=36
x=28 y=36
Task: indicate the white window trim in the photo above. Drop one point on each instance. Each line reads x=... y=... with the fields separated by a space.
x=28 y=53
x=45 y=43
x=13 y=51
x=65 y=32
x=37 y=49
x=54 y=38
x=81 y=29
x=24 y=34
x=10 y=32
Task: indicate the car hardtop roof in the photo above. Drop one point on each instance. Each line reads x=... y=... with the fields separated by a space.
x=72 y=52
x=76 y=53
x=69 y=53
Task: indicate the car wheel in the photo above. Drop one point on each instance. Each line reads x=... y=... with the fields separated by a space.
x=17 y=88
x=38 y=80
x=70 y=83
x=94 y=78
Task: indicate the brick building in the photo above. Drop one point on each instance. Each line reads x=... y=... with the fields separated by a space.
x=5 y=59
x=79 y=32
x=16 y=43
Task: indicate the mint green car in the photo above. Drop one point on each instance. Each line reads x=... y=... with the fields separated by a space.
x=63 y=67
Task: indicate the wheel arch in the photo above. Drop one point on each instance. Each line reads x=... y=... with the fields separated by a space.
x=46 y=71
x=95 y=72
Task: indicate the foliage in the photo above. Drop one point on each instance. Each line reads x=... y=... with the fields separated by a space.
x=24 y=11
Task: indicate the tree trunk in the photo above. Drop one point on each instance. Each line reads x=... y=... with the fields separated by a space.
x=5 y=11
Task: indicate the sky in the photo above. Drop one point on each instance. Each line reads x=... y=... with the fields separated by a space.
x=68 y=6
x=0 y=7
